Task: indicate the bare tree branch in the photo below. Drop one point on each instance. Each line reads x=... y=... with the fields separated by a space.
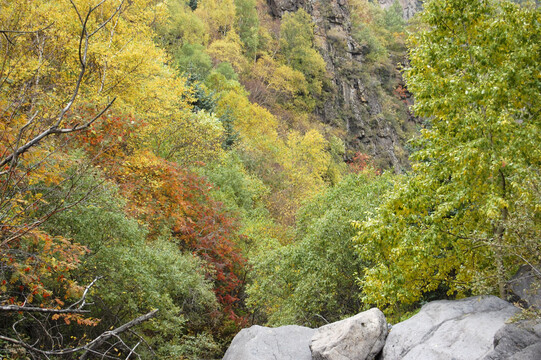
x=88 y=348
x=69 y=310
x=77 y=11
x=108 y=334
x=25 y=32
x=53 y=130
x=17 y=308
x=132 y=351
x=108 y=20
x=82 y=301
x=83 y=50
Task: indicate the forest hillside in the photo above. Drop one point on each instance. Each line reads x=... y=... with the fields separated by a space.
x=174 y=171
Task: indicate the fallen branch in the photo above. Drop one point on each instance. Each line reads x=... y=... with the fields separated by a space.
x=88 y=348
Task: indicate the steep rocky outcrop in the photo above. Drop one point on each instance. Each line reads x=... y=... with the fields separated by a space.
x=445 y=330
x=361 y=98
x=411 y=7
x=279 y=7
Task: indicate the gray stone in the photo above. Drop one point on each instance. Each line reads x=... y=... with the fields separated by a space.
x=409 y=7
x=449 y=330
x=520 y=341
x=532 y=352
x=526 y=284
x=262 y=343
x=360 y=337
x=279 y=7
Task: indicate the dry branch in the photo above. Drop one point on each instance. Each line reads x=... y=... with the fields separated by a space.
x=91 y=346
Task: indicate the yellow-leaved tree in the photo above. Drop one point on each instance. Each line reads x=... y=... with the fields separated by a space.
x=65 y=67
x=469 y=213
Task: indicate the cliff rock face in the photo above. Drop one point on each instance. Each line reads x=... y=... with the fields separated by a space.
x=411 y=7
x=362 y=98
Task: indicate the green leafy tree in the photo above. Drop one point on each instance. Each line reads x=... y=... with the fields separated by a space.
x=225 y=69
x=182 y=26
x=312 y=281
x=394 y=21
x=297 y=47
x=135 y=276
x=193 y=60
x=469 y=213
x=247 y=25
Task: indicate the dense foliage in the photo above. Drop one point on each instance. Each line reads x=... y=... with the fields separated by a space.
x=165 y=179
x=313 y=280
x=137 y=174
x=468 y=214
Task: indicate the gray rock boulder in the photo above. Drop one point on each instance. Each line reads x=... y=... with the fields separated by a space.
x=526 y=284
x=360 y=337
x=449 y=330
x=517 y=341
x=262 y=343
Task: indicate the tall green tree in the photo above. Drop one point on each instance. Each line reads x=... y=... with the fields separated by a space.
x=470 y=211
x=247 y=25
x=297 y=47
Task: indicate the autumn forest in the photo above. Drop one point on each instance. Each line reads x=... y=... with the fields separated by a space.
x=172 y=171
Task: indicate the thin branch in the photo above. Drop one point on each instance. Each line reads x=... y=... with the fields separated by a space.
x=77 y=11
x=108 y=20
x=53 y=130
x=88 y=347
x=82 y=301
x=25 y=32
x=17 y=308
x=132 y=350
x=527 y=262
x=106 y=335
x=321 y=317
x=28 y=228
x=142 y=339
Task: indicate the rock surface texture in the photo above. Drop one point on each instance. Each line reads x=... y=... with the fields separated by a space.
x=517 y=341
x=526 y=285
x=445 y=330
x=357 y=338
x=358 y=100
x=263 y=343
x=411 y=7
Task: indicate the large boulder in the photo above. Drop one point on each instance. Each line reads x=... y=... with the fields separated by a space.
x=444 y=330
x=517 y=341
x=262 y=343
x=360 y=337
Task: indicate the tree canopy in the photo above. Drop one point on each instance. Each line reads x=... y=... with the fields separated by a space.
x=468 y=214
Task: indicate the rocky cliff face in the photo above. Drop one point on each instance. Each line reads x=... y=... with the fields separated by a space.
x=367 y=101
x=411 y=7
